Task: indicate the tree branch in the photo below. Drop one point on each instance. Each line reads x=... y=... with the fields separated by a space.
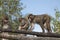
x=32 y=33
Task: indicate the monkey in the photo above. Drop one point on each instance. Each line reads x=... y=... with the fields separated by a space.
x=43 y=20
x=5 y=25
x=24 y=25
x=5 y=22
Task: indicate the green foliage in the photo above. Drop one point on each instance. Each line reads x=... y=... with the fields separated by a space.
x=12 y=8
x=56 y=21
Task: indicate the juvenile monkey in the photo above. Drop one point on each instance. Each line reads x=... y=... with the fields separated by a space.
x=24 y=24
x=43 y=20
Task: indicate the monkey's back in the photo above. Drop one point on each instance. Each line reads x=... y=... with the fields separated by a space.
x=43 y=17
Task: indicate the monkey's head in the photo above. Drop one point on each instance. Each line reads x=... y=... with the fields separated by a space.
x=5 y=17
x=31 y=17
x=20 y=19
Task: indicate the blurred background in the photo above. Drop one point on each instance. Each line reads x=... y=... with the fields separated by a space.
x=15 y=9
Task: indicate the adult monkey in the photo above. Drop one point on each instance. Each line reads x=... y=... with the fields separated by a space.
x=43 y=20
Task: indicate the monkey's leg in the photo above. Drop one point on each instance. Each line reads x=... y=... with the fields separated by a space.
x=42 y=26
x=32 y=27
x=48 y=26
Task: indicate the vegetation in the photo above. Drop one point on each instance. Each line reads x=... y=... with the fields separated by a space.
x=56 y=21
x=11 y=8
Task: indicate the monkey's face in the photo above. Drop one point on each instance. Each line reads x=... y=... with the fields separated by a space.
x=31 y=18
x=5 y=19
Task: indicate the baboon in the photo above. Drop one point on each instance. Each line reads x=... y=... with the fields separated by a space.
x=43 y=20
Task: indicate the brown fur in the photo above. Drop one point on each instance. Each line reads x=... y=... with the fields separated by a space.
x=43 y=20
x=23 y=24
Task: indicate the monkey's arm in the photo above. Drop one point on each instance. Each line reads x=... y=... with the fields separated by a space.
x=19 y=28
x=25 y=25
x=32 y=26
